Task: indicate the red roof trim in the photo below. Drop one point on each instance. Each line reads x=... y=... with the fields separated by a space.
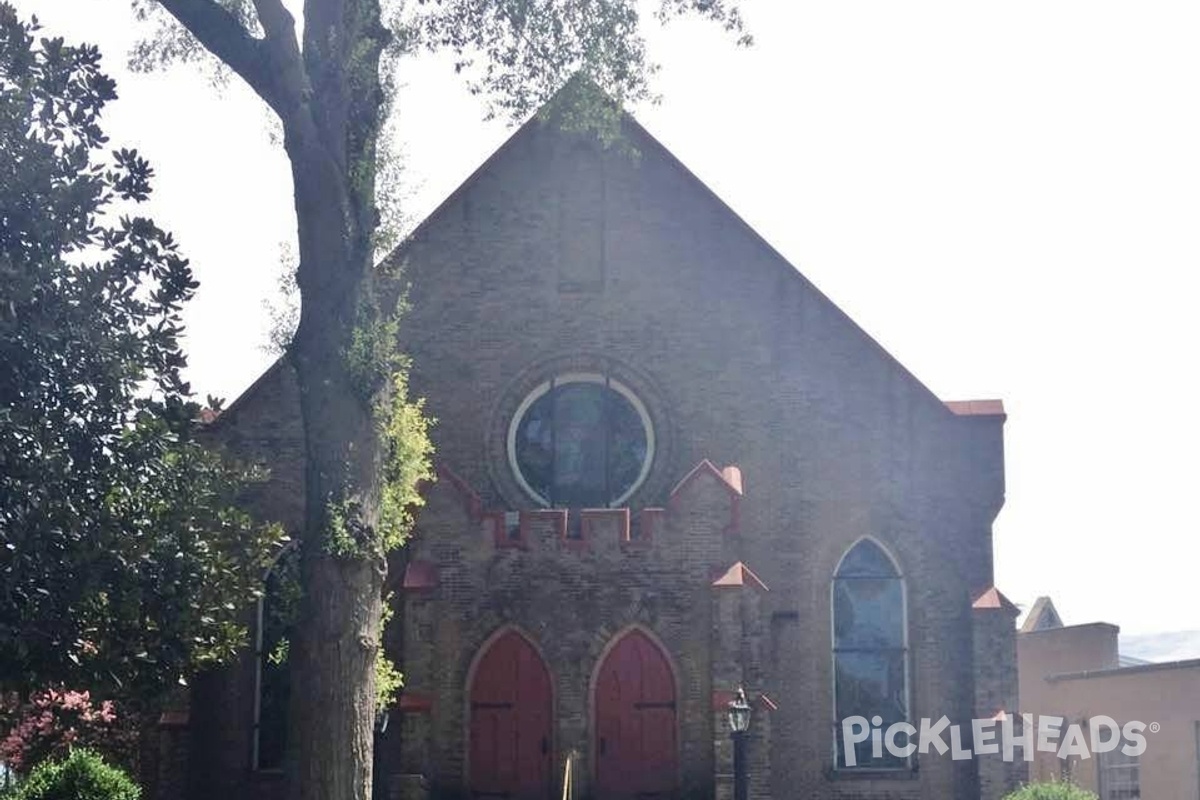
x=736 y=577
x=650 y=521
x=589 y=516
x=977 y=408
x=558 y=517
x=706 y=466
x=415 y=703
x=420 y=576
x=993 y=599
x=470 y=498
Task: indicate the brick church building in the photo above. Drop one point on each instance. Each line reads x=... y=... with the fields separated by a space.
x=669 y=467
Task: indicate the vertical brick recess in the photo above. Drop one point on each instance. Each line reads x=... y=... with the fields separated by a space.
x=995 y=654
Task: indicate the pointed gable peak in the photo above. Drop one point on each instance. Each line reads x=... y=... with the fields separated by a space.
x=730 y=478
x=994 y=599
x=1042 y=617
x=738 y=576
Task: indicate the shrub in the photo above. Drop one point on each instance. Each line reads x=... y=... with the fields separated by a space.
x=50 y=722
x=1051 y=790
x=82 y=775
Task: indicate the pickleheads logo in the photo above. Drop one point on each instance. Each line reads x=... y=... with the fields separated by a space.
x=989 y=737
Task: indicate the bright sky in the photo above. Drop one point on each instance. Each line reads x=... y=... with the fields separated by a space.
x=1005 y=195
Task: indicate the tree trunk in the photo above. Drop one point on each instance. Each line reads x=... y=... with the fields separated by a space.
x=338 y=633
x=328 y=96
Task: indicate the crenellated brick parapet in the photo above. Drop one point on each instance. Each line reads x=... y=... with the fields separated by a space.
x=571 y=583
x=706 y=501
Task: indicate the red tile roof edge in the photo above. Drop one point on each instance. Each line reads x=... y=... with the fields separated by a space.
x=415 y=703
x=731 y=478
x=993 y=599
x=977 y=408
x=420 y=575
x=470 y=498
x=737 y=576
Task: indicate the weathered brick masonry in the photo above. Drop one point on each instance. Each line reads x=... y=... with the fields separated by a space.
x=559 y=257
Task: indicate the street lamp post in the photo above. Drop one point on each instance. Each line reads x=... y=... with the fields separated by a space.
x=739 y=724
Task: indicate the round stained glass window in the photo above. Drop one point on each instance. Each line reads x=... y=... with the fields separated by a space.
x=581 y=441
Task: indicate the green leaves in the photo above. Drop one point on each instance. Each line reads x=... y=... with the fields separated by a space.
x=82 y=775
x=1051 y=790
x=518 y=53
x=124 y=561
x=407 y=466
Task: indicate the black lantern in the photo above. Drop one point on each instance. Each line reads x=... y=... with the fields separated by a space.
x=739 y=723
x=739 y=713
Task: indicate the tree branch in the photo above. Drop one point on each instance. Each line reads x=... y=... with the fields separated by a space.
x=224 y=36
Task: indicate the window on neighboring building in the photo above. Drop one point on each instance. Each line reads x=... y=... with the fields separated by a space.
x=870 y=658
x=581 y=440
x=1120 y=775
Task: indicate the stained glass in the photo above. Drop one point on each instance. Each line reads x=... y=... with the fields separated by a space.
x=581 y=444
x=870 y=660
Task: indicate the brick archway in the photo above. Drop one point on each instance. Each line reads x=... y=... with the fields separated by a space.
x=636 y=729
x=511 y=712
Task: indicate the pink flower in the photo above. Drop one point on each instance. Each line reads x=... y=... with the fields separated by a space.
x=50 y=721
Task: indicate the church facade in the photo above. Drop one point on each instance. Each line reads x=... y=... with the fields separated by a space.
x=668 y=468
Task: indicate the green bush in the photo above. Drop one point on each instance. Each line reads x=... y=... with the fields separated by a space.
x=82 y=775
x=1051 y=790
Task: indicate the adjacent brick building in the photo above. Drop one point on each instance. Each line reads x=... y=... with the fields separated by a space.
x=662 y=454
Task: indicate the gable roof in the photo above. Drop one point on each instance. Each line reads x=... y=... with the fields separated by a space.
x=645 y=142
x=1042 y=617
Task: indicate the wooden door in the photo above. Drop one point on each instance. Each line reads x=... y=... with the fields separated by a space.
x=637 y=755
x=511 y=715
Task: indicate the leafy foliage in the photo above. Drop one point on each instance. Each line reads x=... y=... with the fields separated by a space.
x=517 y=53
x=408 y=463
x=51 y=722
x=124 y=561
x=82 y=775
x=388 y=680
x=1051 y=790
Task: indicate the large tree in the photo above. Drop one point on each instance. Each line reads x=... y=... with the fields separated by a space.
x=125 y=562
x=364 y=443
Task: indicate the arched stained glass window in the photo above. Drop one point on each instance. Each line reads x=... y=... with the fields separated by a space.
x=581 y=440
x=869 y=648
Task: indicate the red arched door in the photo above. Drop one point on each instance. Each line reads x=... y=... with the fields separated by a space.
x=510 y=721
x=637 y=754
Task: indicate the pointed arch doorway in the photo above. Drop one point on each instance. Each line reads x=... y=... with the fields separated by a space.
x=636 y=740
x=510 y=716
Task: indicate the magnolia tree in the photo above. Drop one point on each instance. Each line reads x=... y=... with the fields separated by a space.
x=125 y=562
x=325 y=77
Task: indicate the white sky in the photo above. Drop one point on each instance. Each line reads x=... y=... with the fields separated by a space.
x=1006 y=195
